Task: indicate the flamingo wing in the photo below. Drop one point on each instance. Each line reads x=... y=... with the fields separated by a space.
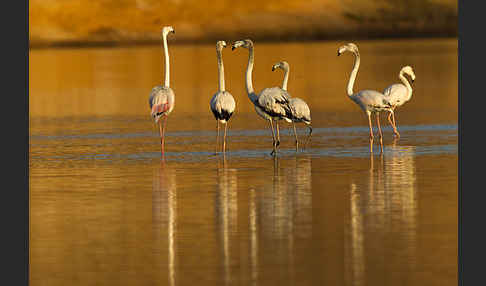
x=396 y=94
x=275 y=102
x=161 y=101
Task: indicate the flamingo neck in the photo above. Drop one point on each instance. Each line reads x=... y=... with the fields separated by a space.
x=354 y=72
x=220 y=70
x=249 y=70
x=406 y=83
x=286 y=78
x=166 y=54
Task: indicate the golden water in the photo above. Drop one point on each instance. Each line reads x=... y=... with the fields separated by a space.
x=106 y=210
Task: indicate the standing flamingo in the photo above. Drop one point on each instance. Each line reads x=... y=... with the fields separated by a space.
x=222 y=104
x=397 y=94
x=271 y=103
x=161 y=100
x=370 y=101
x=298 y=107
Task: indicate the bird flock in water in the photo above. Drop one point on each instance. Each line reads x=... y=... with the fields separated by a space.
x=275 y=103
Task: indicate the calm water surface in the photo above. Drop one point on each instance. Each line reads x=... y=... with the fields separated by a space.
x=105 y=209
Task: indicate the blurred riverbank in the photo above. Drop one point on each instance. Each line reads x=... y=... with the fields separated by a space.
x=110 y=22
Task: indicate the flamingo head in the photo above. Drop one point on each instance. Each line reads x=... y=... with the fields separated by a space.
x=167 y=29
x=351 y=47
x=282 y=65
x=247 y=43
x=220 y=45
x=408 y=70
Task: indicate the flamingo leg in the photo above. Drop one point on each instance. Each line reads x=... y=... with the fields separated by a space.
x=273 y=137
x=296 y=141
x=278 y=134
x=217 y=135
x=371 y=132
x=162 y=135
x=379 y=131
x=395 y=124
x=391 y=122
x=389 y=119
x=308 y=136
x=391 y=115
x=224 y=139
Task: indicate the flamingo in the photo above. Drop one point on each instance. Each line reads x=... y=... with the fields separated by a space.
x=222 y=103
x=298 y=107
x=370 y=101
x=272 y=103
x=398 y=94
x=161 y=99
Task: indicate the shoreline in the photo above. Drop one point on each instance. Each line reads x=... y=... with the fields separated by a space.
x=39 y=45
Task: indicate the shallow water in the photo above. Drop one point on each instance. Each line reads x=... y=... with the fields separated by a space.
x=105 y=209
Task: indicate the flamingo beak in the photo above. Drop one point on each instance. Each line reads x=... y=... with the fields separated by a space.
x=338 y=53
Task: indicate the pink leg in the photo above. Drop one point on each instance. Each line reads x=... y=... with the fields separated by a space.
x=395 y=124
x=371 y=132
x=379 y=131
x=162 y=135
x=391 y=116
x=391 y=122
x=161 y=140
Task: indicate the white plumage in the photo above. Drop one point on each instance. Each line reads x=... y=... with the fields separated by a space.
x=370 y=101
x=300 y=111
x=162 y=98
x=272 y=103
x=398 y=94
x=222 y=103
x=161 y=101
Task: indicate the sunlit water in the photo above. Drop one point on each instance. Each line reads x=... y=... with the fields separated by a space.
x=105 y=209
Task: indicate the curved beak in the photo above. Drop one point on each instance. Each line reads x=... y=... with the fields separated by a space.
x=338 y=53
x=273 y=68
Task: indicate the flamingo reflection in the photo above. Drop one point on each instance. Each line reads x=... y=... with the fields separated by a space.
x=383 y=209
x=164 y=212
x=226 y=213
x=283 y=213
